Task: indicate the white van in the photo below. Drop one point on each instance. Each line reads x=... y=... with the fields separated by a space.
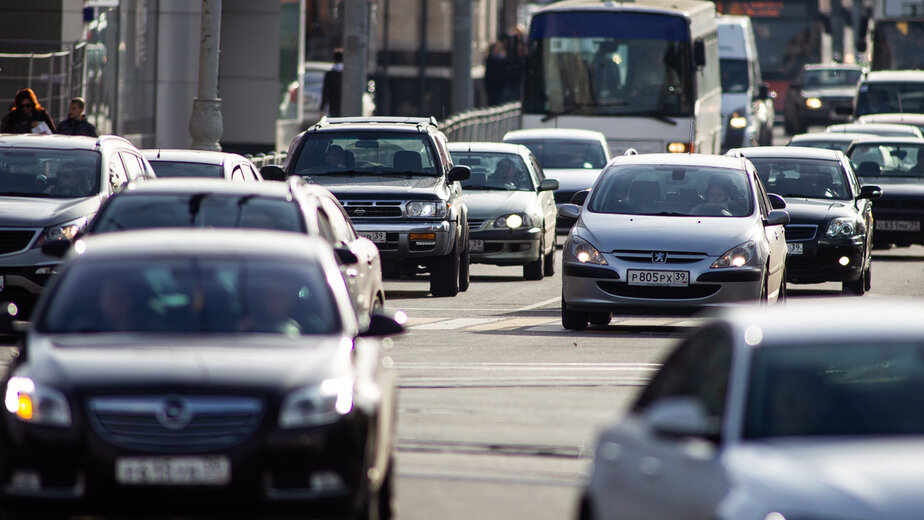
x=747 y=108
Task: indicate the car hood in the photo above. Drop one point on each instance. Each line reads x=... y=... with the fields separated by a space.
x=378 y=186
x=711 y=235
x=828 y=92
x=41 y=212
x=111 y=361
x=813 y=211
x=829 y=478
x=487 y=204
x=573 y=179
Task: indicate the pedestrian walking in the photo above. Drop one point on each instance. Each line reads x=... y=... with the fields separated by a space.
x=495 y=73
x=330 y=92
x=76 y=122
x=27 y=116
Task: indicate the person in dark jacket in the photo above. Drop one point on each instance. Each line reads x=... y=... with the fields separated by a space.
x=330 y=92
x=76 y=122
x=26 y=115
x=495 y=71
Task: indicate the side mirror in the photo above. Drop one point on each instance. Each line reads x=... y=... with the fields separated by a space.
x=460 y=173
x=56 y=248
x=870 y=191
x=579 y=197
x=777 y=218
x=572 y=211
x=682 y=416
x=699 y=53
x=548 y=185
x=272 y=172
x=345 y=256
x=776 y=202
x=384 y=323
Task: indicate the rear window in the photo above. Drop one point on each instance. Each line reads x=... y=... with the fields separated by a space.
x=809 y=178
x=186 y=169
x=561 y=154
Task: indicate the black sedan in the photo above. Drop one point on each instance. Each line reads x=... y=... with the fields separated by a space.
x=187 y=372
x=829 y=235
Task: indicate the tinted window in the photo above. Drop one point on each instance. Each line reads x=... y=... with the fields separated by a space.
x=494 y=171
x=366 y=152
x=734 y=75
x=143 y=211
x=820 y=78
x=882 y=98
x=811 y=178
x=192 y=295
x=186 y=169
x=892 y=160
x=826 y=145
x=32 y=172
x=559 y=153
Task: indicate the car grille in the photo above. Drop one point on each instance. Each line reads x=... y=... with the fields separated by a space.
x=175 y=423
x=475 y=223
x=691 y=292
x=800 y=232
x=12 y=241
x=373 y=209
x=647 y=257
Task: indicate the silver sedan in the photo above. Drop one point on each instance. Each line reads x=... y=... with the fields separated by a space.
x=672 y=230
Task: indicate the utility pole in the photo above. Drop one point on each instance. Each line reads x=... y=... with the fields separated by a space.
x=205 y=124
x=355 y=52
x=462 y=56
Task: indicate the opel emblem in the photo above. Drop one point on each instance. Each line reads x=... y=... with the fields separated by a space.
x=359 y=212
x=174 y=412
x=659 y=257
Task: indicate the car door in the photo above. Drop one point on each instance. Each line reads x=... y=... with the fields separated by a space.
x=640 y=474
x=367 y=273
x=546 y=202
x=776 y=238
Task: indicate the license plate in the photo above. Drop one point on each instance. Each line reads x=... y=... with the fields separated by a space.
x=898 y=225
x=376 y=236
x=794 y=248
x=476 y=246
x=211 y=470
x=659 y=278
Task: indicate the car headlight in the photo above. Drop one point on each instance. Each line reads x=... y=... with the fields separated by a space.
x=65 y=231
x=584 y=252
x=842 y=227
x=315 y=405
x=739 y=256
x=427 y=208
x=514 y=221
x=813 y=102
x=738 y=121
x=36 y=403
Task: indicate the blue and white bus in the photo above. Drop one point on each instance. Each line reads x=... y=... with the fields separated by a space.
x=645 y=73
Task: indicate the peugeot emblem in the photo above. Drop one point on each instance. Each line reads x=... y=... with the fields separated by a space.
x=659 y=257
x=359 y=212
x=174 y=412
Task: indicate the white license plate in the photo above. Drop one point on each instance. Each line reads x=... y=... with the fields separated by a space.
x=898 y=225
x=209 y=470
x=659 y=278
x=476 y=246
x=376 y=236
x=794 y=248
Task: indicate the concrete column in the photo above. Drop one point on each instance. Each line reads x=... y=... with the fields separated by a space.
x=355 y=50
x=205 y=124
x=462 y=56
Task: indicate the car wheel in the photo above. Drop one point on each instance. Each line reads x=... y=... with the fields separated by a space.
x=599 y=318
x=548 y=267
x=572 y=320
x=465 y=268
x=856 y=287
x=534 y=269
x=444 y=274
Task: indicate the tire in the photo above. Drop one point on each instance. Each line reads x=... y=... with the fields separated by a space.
x=444 y=274
x=548 y=266
x=465 y=264
x=572 y=320
x=599 y=318
x=762 y=299
x=535 y=269
x=856 y=287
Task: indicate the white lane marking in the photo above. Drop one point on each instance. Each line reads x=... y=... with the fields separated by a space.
x=537 y=305
x=513 y=323
x=456 y=323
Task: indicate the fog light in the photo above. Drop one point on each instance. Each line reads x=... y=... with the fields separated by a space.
x=680 y=147
x=843 y=260
x=45 y=270
x=813 y=102
x=26 y=479
x=422 y=236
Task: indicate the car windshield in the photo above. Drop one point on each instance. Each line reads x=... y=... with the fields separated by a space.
x=888 y=160
x=186 y=169
x=42 y=172
x=882 y=98
x=562 y=154
x=494 y=171
x=672 y=190
x=822 y=78
x=366 y=152
x=192 y=296
x=808 y=178
x=734 y=75
x=818 y=143
x=836 y=389
x=142 y=211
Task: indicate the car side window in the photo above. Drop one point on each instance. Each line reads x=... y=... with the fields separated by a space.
x=762 y=200
x=536 y=168
x=339 y=222
x=133 y=165
x=250 y=174
x=442 y=149
x=118 y=177
x=325 y=228
x=237 y=175
x=699 y=367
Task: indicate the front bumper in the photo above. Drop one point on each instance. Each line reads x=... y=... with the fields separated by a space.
x=507 y=247
x=819 y=261
x=398 y=243
x=898 y=222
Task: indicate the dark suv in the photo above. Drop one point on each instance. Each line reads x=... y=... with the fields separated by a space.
x=395 y=178
x=50 y=186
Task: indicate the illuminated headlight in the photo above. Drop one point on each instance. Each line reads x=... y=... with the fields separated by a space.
x=738 y=256
x=65 y=231
x=514 y=221
x=36 y=403
x=426 y=209
x=842 y=227
x=584 y=252
x=680 y=147
x=738 y=121
x=321 y=404
x=813 y=102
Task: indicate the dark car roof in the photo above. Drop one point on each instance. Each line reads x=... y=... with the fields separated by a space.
x=789 y=152
x=59 y=142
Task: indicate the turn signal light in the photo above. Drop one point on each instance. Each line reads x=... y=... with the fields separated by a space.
x=422 y=236
x=25 y=409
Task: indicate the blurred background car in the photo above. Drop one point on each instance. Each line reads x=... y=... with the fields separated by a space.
x=821 y=95
x=808 y=410
x=511 y=209
x=202 y=163
x=199 y=371
x=827 y=140
x=883 y=129
x=311 y=86
x=747 y=104
x=830 y=231
x=574 y=157
x=898 y=118
x=890 y=91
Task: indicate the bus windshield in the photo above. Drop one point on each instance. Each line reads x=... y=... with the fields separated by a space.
x=609 y=63
x=898 y=45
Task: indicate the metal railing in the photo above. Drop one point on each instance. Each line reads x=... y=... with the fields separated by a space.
x=55 y=77
x=482 y=124
x=265 y=159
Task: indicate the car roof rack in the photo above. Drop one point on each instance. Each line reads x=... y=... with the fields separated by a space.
x=380 y=119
